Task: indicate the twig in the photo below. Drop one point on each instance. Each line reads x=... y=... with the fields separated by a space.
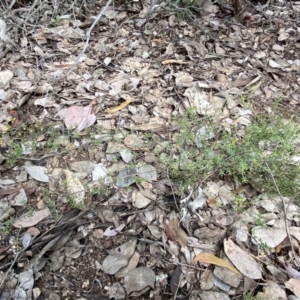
x=285 y=216
x=88 y=35
x=11 y=6
x=35 y=3
x=8 y=271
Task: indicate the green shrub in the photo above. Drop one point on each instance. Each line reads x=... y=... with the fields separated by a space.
x=268 y=147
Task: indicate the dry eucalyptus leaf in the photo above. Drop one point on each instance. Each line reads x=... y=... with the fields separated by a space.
x=116 y=291
x=271 y=237
x=139 y=200
x=118 y=257
x=147 y=172
x=126 y=177
x=242 y=261
x=37 y=172
x=31 y=218
x=138 y=279
x=20 y=199
x=133 y=262
x=25 y=285
x=175 y=233
x=5 y=77
x=208 y=258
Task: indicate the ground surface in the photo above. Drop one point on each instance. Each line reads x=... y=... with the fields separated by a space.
x=94 y=120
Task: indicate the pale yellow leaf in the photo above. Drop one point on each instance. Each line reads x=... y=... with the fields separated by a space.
x=119 y=107
x=208 y=258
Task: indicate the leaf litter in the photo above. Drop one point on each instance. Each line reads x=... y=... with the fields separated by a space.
x=99 y=213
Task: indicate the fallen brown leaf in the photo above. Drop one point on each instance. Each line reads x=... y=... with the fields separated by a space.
x=175 y=233
x=9 y=191
x=208 y=258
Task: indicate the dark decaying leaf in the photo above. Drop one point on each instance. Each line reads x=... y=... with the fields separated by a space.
x=175 y=279
x=3 y=249
x=10 y=191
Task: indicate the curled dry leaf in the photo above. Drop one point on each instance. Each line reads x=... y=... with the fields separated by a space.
x=119 y=107
x=31 y=218
x=74 y=187
x=208 y=258
x=112 y=232
x=242 y=261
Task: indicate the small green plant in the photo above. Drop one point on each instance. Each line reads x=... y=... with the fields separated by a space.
x=248 y=296
x=267 y=148
x=239 y=204
x=260 y=221
x=55 y=22
x=52 y=206
x=15 y=154
x=263 y=245
x=7 y=226
x=71 y=200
